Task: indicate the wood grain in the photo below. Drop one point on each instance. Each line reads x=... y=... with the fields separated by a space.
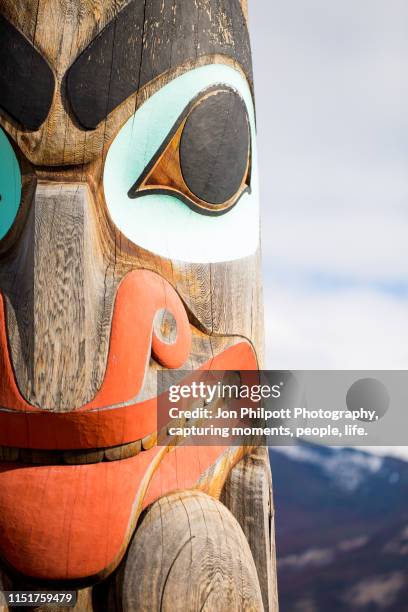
x=17 y=84
x=60 y=30
x=58 y=303
x=59 y=272
x=12 y=582
x=248 y=494
x=145 y=40
x=189 y=553
x=244 y=4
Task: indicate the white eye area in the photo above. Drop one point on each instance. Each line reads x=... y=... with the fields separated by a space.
x=164 y=224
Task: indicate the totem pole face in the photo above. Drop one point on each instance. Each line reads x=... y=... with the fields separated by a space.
x=129 y=242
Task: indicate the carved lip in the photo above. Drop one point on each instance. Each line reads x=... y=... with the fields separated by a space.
x=80 y=456
x=75 y=521
x=115 y=416
x=29 y=456
x=101 y=428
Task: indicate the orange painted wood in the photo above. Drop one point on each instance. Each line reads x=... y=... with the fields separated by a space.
x=140 y=296
x=65 y=522
x=100 y=428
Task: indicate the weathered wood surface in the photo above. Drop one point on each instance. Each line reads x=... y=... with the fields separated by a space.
x=17 y=85
x=62 y=29
x=188 y=554
x=63 y=260
x=60 y=305
x=248 y=494
x=144 y=41
x=14 y=583
x=62 y=152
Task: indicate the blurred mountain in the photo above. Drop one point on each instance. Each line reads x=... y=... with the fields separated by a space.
x=342 y=530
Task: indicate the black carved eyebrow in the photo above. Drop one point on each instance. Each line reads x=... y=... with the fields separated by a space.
x=26 y=80
x=146 y=39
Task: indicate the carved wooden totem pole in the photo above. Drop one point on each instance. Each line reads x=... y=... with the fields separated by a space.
x=129 y=243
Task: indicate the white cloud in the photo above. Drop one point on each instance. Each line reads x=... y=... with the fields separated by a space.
x=332 y=93
x=358 y=246
x=341 y=329
x=334 y=329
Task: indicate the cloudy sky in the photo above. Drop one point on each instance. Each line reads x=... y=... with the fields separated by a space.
x=332 y=99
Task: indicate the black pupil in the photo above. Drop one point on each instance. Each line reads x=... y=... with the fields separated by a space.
x=214 y=147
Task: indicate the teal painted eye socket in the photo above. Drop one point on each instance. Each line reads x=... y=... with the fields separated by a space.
x=10 y=185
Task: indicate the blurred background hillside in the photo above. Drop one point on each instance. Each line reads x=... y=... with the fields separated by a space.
x=332 y=99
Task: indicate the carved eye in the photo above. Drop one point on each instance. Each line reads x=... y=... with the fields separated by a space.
x=205 y=160
x=10 y=185
x=189 y=155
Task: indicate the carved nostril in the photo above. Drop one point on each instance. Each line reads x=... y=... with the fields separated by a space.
x=149 y=316
x=165 y=326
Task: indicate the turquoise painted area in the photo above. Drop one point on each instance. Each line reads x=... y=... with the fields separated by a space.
x=163 y=224
x=10 y=185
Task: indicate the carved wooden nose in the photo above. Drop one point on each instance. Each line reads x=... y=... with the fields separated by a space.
x=57 y=304
x=74 y=339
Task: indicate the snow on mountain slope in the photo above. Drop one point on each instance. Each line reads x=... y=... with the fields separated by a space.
x=348 y=468
x=342 y=529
